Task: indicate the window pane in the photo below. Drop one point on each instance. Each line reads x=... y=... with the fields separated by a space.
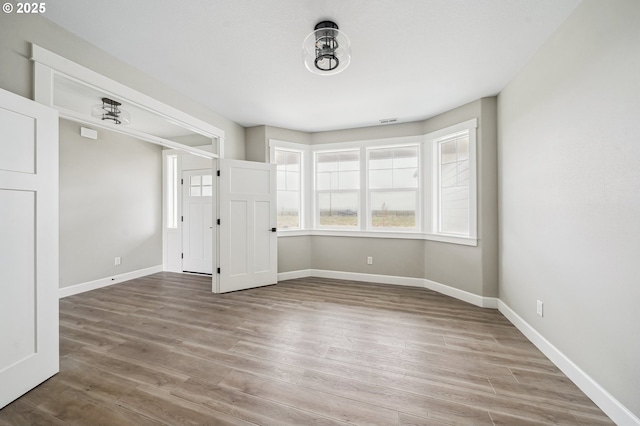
x=380 y=179
x=405 y=178
x=463 y=172
x=405 y=157
x=281 y=179
x=194 y=191
x=348 y=180
x=448 y=175
x=327 y=162
x=448 y=152
x=293 y=161
x=393 y=209
x=454 y=217
x=338 y=209
x=288 y=209
x=195 y=180
x=349 y=161
x=207 y=191
x=463 y=148
x=281 y=159
x=207 y=180
x=293 y=181
x=172 y=191
x=380 y=159
x=289 y=191
x=323 y=181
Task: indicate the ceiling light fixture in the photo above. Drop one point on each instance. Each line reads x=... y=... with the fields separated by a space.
x=110 y=110
x=327 y=50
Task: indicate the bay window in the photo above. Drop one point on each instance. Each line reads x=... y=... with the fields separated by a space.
x=405 y=187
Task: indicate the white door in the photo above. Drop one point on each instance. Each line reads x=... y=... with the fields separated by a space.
x=28 y=245
x=197 y=221
x=247 y=211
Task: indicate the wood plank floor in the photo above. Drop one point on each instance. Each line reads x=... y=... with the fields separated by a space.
x=163 y=350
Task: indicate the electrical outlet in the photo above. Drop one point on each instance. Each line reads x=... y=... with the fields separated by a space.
x=118 y=261
x=369 y=260
x=539 y=307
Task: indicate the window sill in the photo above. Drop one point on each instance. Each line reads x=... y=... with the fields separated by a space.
x=382 y=234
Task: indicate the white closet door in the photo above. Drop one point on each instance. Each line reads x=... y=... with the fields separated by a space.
x=28 y=245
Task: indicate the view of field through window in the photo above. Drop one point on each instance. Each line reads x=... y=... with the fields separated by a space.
x=288 y=175
x=393 y=186
x=337 y=186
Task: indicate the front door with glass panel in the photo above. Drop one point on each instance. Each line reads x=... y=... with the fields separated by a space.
x=198 y=191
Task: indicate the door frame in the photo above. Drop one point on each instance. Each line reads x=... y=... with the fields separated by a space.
x=184 y=190
x=172 y=237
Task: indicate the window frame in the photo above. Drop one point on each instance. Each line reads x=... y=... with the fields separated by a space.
x=435 y=139
x=317 y=193
x=276 y=150
x=417 y=190
x=171 y=191
x=427 y=191
x=303 y=150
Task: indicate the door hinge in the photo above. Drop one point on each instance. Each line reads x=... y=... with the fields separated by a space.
x=181 y=181
x=218 y=221
x=181 y=218
x=181 y=255
x=218 y=270
x=218 y=173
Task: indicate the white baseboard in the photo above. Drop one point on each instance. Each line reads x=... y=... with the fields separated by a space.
x=293 y=275
x=103 y=282
x=474 y=299
x=372 y=278
x=603 y=399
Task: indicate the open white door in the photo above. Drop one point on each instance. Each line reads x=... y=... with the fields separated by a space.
x=247 y=210
x=28 y=246
x=198 y=192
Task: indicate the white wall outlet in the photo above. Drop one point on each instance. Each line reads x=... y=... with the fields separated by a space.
x=118 y=261
x=539 y=307
x=369 y=260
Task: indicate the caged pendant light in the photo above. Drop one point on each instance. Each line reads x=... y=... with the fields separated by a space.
x=110 y=110
x=327 y=50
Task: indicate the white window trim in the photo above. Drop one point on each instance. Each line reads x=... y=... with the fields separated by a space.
x=419 y=190
x=315 y=194
x=305 y=188
x=433 y=139
x=425 y=214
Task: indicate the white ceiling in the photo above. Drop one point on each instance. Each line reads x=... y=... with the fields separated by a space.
x=411 y=59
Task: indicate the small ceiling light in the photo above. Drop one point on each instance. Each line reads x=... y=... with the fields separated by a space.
x=110 y=110
x=327 y=50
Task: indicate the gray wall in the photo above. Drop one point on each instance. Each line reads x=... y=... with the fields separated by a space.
x=569 y=132
x=110 y=205
x=110 y=188
x=16 y=72
x=472 y=269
